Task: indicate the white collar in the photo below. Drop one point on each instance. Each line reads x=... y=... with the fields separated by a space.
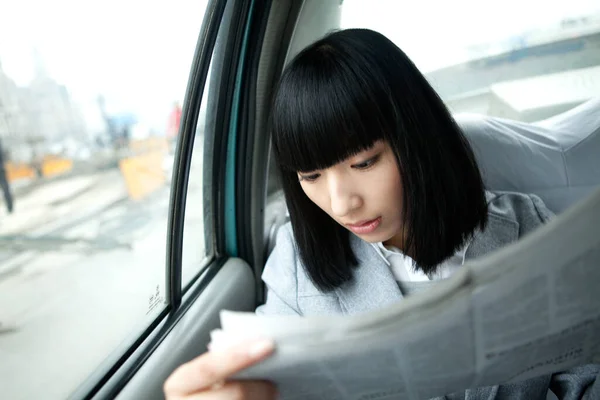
x=445 y=270
x=403 y=266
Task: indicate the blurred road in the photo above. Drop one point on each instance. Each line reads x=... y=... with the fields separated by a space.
x=82 y=267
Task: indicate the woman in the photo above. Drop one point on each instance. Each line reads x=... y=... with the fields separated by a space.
x=384 y=196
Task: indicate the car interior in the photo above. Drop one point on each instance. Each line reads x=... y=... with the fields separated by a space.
x=553 y=158
x=241 y=51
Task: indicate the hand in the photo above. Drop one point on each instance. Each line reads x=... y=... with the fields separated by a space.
x=205 y=377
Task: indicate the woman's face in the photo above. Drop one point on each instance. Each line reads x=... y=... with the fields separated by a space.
x=362 y=193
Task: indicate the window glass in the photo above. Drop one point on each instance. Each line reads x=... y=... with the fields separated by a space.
x=520 y=59
x=90 y=95
x=197 y=210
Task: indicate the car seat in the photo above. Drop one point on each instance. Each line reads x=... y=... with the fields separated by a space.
x=557 y=159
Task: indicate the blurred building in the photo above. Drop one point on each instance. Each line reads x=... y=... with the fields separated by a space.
x=38 y=118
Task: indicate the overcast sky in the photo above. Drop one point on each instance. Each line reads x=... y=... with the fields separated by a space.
x=138 y=53
x=436 y=33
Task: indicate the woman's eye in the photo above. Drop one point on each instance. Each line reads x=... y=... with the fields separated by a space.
x=366 y=164
x=309 y=178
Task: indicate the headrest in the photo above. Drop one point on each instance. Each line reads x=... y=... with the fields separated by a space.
x=557 y=159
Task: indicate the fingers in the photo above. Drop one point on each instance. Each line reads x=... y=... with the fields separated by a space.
x=214 y=367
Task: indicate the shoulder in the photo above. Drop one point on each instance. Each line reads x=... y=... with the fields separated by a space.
x=527 y=210
x=280 y=276
x=288 y=285
x=284 y=269
x=511 y=216
x=282 y=265
x=289 y=288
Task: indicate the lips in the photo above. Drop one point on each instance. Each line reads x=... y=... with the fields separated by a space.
x=364 y=227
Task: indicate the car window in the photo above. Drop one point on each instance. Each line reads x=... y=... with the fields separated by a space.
x=520 y=59
x=90 y=107
x=196 y=240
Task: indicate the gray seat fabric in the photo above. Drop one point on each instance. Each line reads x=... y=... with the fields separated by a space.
x=557 y=159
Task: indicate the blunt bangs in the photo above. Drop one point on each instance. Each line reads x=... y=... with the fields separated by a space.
x=327 y=109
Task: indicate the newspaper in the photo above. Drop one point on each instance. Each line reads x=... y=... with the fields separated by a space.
x=527 y=310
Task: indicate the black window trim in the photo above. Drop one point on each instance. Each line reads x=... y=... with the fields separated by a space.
x=183 y=155
x=246 y=125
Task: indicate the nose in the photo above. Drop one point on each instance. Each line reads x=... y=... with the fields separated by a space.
x=343 y=196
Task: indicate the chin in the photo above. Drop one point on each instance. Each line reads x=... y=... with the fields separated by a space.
x=374 y=237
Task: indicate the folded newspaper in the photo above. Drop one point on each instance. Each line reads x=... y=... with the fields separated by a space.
x=529 y=309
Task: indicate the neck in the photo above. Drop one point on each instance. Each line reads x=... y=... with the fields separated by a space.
x=395 y=242
x=399 y=242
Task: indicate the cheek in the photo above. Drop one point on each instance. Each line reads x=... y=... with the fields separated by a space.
x=398 y=187
x=392 y=188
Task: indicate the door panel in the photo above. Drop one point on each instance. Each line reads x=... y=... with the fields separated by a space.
x=232 y=288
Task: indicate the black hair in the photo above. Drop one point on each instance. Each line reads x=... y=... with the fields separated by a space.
x=338 y=97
